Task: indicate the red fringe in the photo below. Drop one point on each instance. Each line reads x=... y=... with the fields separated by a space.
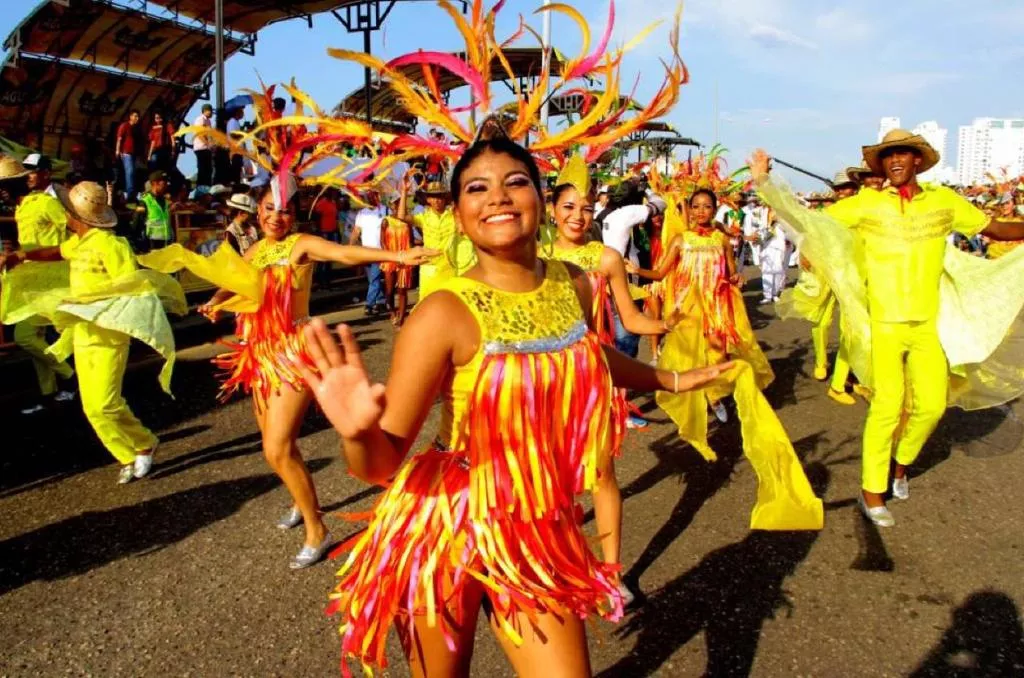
x=270 y=346
x=499 y=511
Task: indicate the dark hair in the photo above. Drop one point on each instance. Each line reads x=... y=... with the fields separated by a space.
x=708 y=192
x=134 y=111
x=557 y=192
x=497 y=145
x=207 y=107
x=266 y=188
x=625 y=193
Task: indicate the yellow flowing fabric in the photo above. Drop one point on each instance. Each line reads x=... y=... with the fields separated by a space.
x=785 y=500
x=980 y=303
x=133 y=304
x=808 y=300
x=225 y=268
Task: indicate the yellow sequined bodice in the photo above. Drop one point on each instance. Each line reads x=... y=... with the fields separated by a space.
x=587 y=257
x=545 y=319
x=273 y=253
x=276 y=256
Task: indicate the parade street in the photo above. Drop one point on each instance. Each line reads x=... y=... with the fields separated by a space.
x=185 y=574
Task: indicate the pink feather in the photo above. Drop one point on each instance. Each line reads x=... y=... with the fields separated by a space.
x=449 y=63
x=587 y=64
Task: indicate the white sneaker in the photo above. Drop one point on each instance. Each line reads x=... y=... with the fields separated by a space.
x=879 y=515
x=64 y=396
x=143 y=462
x=126 y=475
x=901 y=488
x=627 y=596
x=35 y=409
x=721 y=414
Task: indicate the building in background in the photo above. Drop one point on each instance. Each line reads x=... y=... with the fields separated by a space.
x=988 y=146
x=936 y=137
x=887 y=125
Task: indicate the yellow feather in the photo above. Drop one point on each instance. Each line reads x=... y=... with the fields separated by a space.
x=573 y=132
x=472 y=46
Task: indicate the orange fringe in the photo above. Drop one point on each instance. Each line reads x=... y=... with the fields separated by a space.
x=499 y=510
x=397 y=238
x=270 y=346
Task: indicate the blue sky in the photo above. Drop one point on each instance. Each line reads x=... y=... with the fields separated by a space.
x=806 y=79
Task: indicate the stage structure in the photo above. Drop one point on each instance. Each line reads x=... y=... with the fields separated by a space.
x=75 y=68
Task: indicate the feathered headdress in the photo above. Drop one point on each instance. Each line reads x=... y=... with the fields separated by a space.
x=709 y=171
x=414 y=77
x=287 y=147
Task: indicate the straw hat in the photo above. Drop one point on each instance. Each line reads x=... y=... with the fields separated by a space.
x=11 y=168
x=241 y=201
x=842 y=178
x=901 y=138
x=436 y=188
x=87 y=202
x=858 y=173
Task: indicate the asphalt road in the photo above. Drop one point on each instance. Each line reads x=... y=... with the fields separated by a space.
x=184 y=574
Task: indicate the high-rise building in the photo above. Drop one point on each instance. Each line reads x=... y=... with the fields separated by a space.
x=887 y=125
x=936 y=137
x=990 y=146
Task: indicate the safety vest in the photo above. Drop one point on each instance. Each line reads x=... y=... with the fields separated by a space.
x=158 y=218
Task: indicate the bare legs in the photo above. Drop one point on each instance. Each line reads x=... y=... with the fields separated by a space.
x=279 y=425
x=555 y=646
x=608 y=514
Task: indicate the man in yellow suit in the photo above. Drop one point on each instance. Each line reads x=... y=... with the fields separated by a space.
x=98 y=258
x=900 y=233
x=437 y=224
x=41 y=222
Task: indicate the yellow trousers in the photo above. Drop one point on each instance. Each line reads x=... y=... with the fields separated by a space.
x=903 y=355
x=820 y=332
x=32 y=338
x=101 y=357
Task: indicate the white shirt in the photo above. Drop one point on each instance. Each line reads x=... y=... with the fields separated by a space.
x=201 y=143
x=369 y=221
x=617 y=231
x=754 y=219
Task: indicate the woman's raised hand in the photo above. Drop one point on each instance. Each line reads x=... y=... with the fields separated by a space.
x=341 y=384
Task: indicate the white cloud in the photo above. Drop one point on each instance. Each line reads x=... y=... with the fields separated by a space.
x=774 y=37
x=842 y=25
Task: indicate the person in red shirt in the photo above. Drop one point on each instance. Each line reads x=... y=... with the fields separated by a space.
x=161 y=144
x=325 y=216
x=126 y=150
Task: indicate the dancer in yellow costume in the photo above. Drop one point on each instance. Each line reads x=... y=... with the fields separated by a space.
x=109 y=302
x=926 y=309
x=41 y=222
x=813 y=300
x=573 y=210
x=437 y=225
x=713 y=327
x=488 y=512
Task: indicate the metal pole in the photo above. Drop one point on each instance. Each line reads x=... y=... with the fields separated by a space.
x=218 y=42
x=546 y=63
x=367 y=78
x=716 y=111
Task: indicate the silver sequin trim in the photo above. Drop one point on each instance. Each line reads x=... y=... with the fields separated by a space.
x=545 y=345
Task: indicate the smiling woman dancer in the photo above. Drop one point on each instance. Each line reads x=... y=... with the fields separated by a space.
x=269 y=290
x=487 y=512
x=574 y=215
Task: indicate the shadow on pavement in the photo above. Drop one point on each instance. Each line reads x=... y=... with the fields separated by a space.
x=980 y=434
x=728 y=596
x=93 y=539
x=985 y=639
x=229 y=449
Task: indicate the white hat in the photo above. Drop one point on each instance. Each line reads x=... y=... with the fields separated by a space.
x=219 y=189
x=659 y=204
x=242 y=201
x=603 y=189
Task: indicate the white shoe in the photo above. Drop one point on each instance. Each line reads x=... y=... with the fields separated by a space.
x=126 y=475
x=143 y=462
x=627 y=596
x=879 y=515
x=64 y=396
x=35 y=409
x=721 y=414
x=311 y=555
x=290 y=519
x=900 y=488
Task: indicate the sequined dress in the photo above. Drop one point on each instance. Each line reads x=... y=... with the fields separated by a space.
x=397 y=237
x=525 y=427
